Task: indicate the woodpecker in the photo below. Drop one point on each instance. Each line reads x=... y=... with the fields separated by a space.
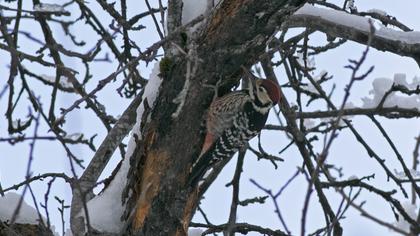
x=232 y=120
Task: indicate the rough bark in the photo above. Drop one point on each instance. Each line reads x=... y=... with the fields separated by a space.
x=235 y=35
x=23 y=229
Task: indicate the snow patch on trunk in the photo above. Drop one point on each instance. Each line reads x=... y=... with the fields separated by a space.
x=192 y=9
x=106 y=209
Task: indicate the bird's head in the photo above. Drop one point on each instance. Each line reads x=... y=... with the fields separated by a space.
x=266 y=93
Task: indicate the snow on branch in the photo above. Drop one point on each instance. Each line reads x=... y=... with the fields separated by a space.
x=357 y=28
x=64 y=83
x=411 y=210
x=26 y=215
x=384 y=93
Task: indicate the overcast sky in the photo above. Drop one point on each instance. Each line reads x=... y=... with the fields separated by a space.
x=346 y=151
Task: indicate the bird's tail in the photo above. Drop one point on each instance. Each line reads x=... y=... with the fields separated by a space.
x=199 y=169
x=221 y=149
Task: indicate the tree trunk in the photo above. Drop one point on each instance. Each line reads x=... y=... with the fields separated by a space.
x=235 y=35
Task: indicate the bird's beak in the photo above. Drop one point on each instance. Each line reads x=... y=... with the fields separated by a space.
x=250 y=79
x=251 y=83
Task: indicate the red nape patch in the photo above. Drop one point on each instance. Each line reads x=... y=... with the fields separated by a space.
x=272 y=89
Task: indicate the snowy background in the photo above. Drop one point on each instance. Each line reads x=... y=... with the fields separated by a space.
x=346 y=151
